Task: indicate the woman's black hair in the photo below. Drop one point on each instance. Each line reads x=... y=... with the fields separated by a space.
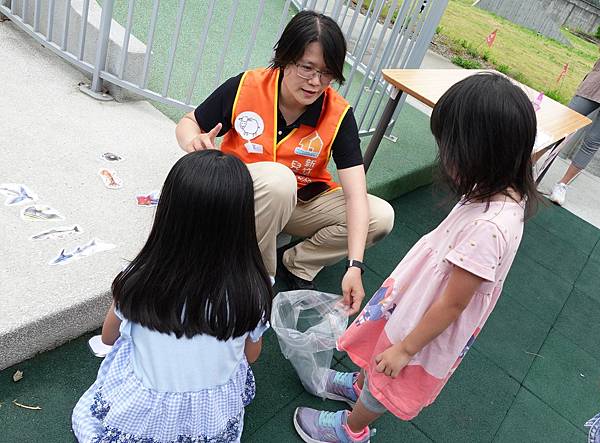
x=485 y=127
x=200 y=271
x=303 y=29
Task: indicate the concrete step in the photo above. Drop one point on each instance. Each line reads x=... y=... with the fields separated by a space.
x=52 y=140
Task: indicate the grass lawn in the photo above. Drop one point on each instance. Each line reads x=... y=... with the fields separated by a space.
x=518 y=52
x=521 y=53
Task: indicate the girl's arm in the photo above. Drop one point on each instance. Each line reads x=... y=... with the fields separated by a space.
x=252 y=349
x=354 y=185
x=441 y=314
x=110 y=328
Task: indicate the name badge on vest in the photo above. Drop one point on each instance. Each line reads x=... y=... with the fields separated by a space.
x=253 y=148
x=250 y=125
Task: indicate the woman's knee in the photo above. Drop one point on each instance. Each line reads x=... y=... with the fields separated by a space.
x=274 y=181
x=588 y=148
x=381 y=221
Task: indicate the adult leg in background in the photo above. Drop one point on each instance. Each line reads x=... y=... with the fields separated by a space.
x=322 y=222
x=591 y=141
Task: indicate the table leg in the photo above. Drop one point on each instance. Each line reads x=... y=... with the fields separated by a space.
x=384 y=121
x=546 y=166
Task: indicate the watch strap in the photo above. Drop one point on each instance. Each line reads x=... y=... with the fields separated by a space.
x=356 y=264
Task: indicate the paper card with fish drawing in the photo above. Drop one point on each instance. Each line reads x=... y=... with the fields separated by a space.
x=92 y=247
x=150 y=199
x=57 y=233
x=112 y=157
x=110 y=179
x=17 y=194
x=40 y=213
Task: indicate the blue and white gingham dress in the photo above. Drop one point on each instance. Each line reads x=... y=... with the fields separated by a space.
x=117 y=408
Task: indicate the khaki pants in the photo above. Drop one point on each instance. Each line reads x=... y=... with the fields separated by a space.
x=322 y=222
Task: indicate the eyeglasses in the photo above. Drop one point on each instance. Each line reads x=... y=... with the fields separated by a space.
x=307 y=72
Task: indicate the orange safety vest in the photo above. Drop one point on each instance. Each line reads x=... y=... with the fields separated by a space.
x=253 y=136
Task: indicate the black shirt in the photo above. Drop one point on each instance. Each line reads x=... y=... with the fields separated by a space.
x=218 y=106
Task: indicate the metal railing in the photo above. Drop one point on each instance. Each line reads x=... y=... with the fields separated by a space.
x=380 y=33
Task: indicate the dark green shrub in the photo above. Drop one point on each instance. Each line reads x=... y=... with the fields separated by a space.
x=473 y=52
x=465 y=63
x=518 y=76
x=504 y=69
x=555 y=94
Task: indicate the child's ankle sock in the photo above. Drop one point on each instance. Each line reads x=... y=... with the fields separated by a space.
x=356 y=435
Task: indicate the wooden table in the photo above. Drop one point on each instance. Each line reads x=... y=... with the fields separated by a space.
x=554 y=120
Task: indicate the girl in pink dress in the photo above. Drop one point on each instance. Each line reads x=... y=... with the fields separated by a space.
x=412 y=335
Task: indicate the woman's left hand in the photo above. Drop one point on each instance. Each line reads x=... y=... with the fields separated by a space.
x=392 y=360
x=352 y=289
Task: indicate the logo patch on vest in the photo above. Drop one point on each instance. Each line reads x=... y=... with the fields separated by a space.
x=310 y=146
x=249 y=125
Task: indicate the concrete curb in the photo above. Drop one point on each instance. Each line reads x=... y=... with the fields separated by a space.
x=53 y=140
x=53 y=330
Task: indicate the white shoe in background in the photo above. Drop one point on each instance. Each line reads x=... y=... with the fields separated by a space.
x=559 y=194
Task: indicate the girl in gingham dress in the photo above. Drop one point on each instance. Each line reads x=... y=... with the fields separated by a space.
x=415 y=331
x=187 y=316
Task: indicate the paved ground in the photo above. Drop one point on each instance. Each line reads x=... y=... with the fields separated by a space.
x=583 y=198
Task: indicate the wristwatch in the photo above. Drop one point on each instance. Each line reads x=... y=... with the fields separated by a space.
x=357 y=264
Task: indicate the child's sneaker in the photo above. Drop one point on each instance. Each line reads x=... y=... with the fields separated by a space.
x=326 y=427
x=559 y=194
x=594 y=425
x=341 y=386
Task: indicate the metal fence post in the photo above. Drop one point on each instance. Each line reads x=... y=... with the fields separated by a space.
x=415 y=57
x=401 y=46
x=337 y=9
x=102 y=46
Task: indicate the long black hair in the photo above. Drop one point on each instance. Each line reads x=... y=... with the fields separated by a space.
x=485 y=128
x=200 y=271
x=303 y=29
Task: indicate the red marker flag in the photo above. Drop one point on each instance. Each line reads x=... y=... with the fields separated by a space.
x=491 y=38
x=562 y=74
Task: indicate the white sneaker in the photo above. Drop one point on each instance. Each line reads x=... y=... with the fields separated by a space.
x=559 y=194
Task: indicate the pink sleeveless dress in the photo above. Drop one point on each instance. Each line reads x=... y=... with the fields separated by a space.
x=483 y=242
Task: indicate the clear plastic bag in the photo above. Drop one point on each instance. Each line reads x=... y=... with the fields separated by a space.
x=308 y=324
